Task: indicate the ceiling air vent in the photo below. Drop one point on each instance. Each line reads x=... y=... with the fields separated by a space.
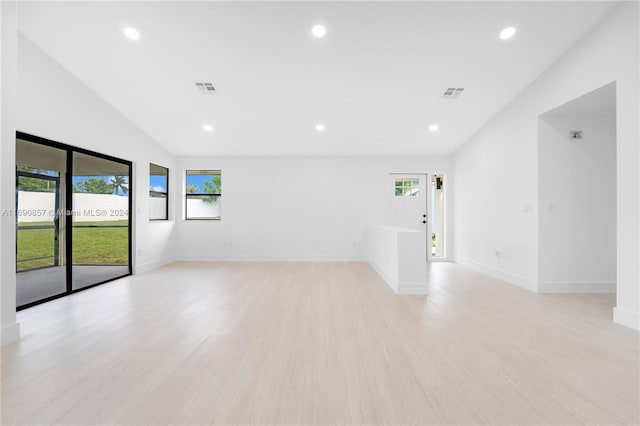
x=206 y=87
x=452 y=92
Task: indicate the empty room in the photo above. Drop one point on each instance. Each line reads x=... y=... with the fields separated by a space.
x=320 y=212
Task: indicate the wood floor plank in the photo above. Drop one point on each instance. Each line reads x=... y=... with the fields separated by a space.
x=319 y=343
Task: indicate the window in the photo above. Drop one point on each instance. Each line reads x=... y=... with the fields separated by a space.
x=407 y=187
x=158 y=192
x=203 y=194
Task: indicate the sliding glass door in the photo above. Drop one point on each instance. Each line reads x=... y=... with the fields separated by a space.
x=73 y=215
x=100 y=221
x=40 y=259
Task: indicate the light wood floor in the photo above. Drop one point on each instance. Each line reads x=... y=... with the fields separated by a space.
x=319 y=343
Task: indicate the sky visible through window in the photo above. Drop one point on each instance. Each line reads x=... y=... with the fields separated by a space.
x=78 y=179
x=198 y=180
x=158 y=183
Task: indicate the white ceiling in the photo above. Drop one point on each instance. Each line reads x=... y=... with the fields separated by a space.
x=376 y=80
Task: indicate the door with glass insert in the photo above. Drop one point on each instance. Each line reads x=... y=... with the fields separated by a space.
x=40 y=248
x=72 y=219
x=408 y=203
x=100 y=220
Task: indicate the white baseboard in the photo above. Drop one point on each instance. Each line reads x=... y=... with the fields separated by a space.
x=216 y=257
x=515 y=279
x=149 y=266
x=10 y=333
x=577 y=287
x=626 y=317
x=401 y=288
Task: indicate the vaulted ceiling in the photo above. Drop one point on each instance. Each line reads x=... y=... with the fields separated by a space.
x=375 y=80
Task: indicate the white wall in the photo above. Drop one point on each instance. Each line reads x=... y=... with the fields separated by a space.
x=55 y=105
x=200 y=208
x=8 y=67
x=497 y=169
x=50 y=102
x=100 y=207
x=294 y=208
x=41 y=206
x=495 y=218
x=577 y=204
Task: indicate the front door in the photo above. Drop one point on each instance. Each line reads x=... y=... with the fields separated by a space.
x=408 y=202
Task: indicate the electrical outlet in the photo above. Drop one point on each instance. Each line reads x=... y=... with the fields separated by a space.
x=228 y=244
x=139 y=252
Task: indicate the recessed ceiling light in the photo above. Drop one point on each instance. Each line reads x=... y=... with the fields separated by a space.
x=131 y=33
x=320 y=127
x=507 y=33
x=319 y=31
x=433 y=127
x=207 y=128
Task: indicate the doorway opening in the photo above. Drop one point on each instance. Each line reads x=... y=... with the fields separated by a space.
x=577 y=194
x=73 y=215
x=438 y=216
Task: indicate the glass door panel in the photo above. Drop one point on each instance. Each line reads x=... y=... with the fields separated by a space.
x=100 y=218
x=40 y=260
x=437 y=216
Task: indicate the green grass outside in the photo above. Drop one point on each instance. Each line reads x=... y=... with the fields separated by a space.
x=36 y=243
x=105 y=223
x=100 y=246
